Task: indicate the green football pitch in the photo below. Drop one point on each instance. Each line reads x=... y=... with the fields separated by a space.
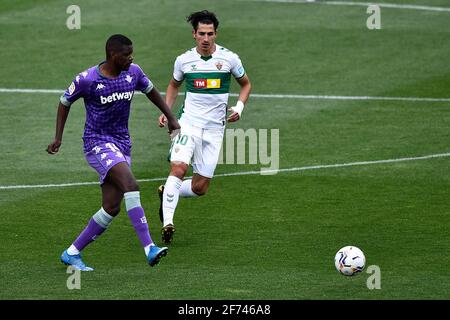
x=364 y=156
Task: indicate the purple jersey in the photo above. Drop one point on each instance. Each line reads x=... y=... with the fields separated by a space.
x=107 y=102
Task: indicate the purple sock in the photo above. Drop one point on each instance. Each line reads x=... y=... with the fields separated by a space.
x=89 y=234
x=139 y=222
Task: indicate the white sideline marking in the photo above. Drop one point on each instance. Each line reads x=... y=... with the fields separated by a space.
x=243 y=173
x=366 y=4
x=268 y=96
x=19 y=90
x=325 y=97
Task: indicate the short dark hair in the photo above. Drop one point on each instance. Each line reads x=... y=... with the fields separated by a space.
x=116 y=42
x=205 y=17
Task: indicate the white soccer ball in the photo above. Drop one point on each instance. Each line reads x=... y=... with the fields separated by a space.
x=349 y=260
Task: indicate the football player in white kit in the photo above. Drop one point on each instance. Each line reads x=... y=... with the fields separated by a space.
x=207 y=70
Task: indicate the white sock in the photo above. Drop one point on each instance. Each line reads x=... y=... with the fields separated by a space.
x=72 y=250
x=186 y=189
x=170 y=198
x=147 y=248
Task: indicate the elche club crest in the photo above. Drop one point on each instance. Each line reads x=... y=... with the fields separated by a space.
x=219 y=65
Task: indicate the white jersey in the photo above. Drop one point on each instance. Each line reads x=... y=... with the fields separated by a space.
x=207 y=85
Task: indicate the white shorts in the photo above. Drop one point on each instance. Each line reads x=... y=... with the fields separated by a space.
x=199 y=146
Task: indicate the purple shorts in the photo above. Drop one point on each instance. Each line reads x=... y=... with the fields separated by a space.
x=105 y=156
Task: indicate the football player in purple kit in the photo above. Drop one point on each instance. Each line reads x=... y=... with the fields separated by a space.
x=107 y=90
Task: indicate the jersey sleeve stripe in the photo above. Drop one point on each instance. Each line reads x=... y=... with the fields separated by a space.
x=240 y=76
x=149 y=88
x=64 y=101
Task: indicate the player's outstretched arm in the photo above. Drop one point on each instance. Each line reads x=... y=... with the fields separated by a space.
x=155 y=97
x=244 y=93
x=61 y=118
x=171 y=96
